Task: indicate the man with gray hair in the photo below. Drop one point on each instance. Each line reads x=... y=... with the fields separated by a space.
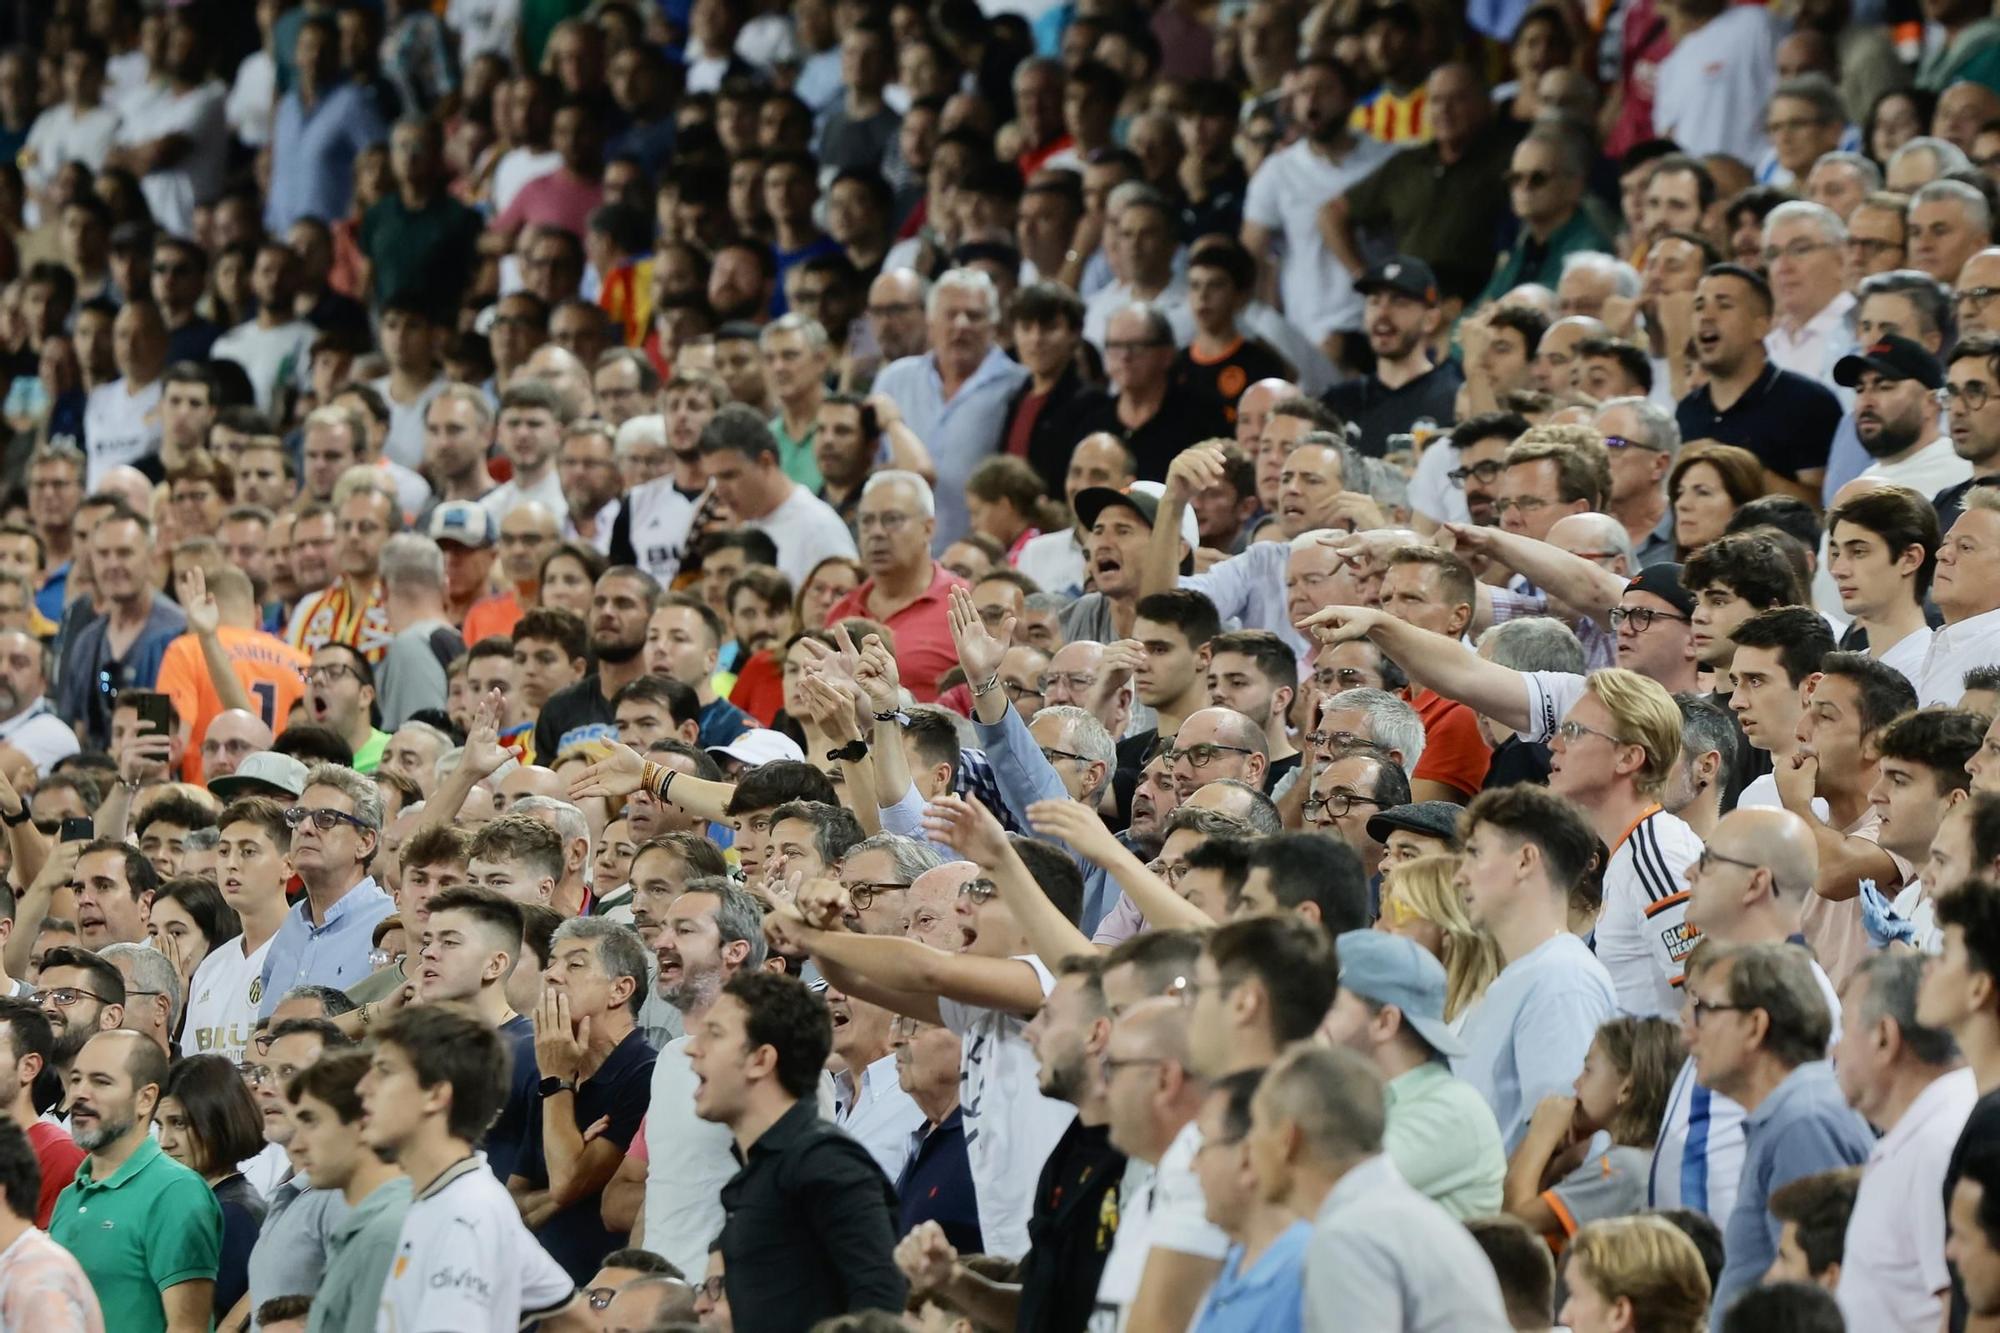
x=1922 y=161
x=578 y=847
x=328 y=934
x=1368 y=717
x=412 y=675
x=1545 y=190
x=1841 y=180
x=1642 y=438
x=954 y=397
x=1590 y=278
x=1803 y=248
x=595 y=1065
x=152 y=991
x=1911 y=1084
x=1382 y=1255
x=1805 y=119
x=795 y=349
x=876 y=875
x=1950 y=221
x=906 y=589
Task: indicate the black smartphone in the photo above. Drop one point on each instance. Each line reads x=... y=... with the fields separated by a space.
x=153 y=713
x=77 y=830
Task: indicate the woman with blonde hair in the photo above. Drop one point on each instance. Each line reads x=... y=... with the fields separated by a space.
x=1635 y=1275
x=1419 y=903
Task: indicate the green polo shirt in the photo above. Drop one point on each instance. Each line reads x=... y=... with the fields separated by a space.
x=796 y=456
x=1443 y=1138
x=154 y=1224
x=369 y=757
x=358 y=1255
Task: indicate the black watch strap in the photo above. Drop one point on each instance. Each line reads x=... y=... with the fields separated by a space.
x=18 y=818
x=853 y=752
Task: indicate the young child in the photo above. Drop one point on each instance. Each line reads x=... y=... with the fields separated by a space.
x=1563 y=1174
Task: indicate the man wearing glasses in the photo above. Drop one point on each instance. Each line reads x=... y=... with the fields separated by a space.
x=905 y=589
x=327 y=935
x=1971 y=401
x=340 y=693
x=81 y=995
x=1352 y=789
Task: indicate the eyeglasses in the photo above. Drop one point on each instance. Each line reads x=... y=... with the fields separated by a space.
x=1975 y=298
x=1798 y=249
x=332 y=673
x=323 y=820
x=864 y=892
x=1572 y=732
x=1018 y=690
x=1972 y=393
x=1201 y=756
x=1533 y=180
x=1641 y=618
x=1872 y=246
x=1341 y=678
x=1337 y=805
x=1170 y=871
x=63 y=997
x=1480 y=472
x=1698 y=1007
x=1053 y=755
x=1707 y=857
x=1527 y=504
x=1334 y=740
x=711 y=1287
x=981 y=891
x=1620 y=442
x=258 y=1075
x=1077 y=681
x=890 y=521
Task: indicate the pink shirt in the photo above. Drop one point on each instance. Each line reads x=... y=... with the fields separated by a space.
x=559 y=199
x=924 y=650
x=43 y=1288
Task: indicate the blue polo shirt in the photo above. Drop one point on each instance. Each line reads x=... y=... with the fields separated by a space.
x=331 y=954
x=1804 y=1127
x=114 y=1229
x=936 y=1185
x=576 y=1237
x=1267 y=1297
x=722 y=722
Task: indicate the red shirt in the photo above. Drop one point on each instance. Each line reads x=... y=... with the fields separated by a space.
x=1454 y=752
x=59 y=1156
x=924 y=650
x=760 y=687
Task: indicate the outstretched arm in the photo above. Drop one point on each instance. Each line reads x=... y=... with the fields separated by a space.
x=971 y=830
x=1430 y=660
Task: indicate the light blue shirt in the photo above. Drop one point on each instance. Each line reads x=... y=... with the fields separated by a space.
x=961 y=434
x=1266 y=1297
x=1025 y=777
x=1845 y=458
x=313 y=152
x=1528 y=1037
x=333 y=954
x=1803 y=1127
x=1250 y=590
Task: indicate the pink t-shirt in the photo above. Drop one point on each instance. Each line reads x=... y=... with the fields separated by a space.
x=559 y=199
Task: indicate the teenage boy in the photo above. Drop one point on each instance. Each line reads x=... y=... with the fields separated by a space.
x=1221 y=361
x=252 y=870
x=1881 y=549
x=327 y=1144
x=464 y=1260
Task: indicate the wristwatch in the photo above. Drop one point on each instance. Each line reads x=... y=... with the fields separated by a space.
x=551 y=1086
x=18 y=818
x=853 y=752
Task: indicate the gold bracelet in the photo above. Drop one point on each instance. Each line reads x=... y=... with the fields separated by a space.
x=649 y=775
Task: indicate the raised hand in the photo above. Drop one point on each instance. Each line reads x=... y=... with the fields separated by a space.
x=484 y=753
x=1342 y=624
x=967 y=827
x=875 y=672
x=926 y=1258
x=979 y=651
x=617 y=774
x=203 y=615
x=144 y=758
x=1194 y=471
x=559 y=1051
x=1076 y=824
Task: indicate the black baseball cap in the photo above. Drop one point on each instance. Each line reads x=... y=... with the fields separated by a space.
x=1891 y=356
x=1401 y=274
x=1664 y=582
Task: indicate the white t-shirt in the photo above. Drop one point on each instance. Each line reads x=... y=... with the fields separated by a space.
x=1285 y=197
x=1892 y=1265
x=1713 y=87
x=483 y=26
x=1009 y=1125
x=196 y=177
x=1158 y=1209
x=505 y=498
x=1642 y=935
x=688 y=1161
x=1929 y=470
x=405 y=440
x=807 y=531
x=39 y=735
x=272 y=358
x=120 y=427
x=466 y=1262
x=1172 y=302
x=223 y=997
x=63 y=134
x=1054 y=561
x=1432 y=492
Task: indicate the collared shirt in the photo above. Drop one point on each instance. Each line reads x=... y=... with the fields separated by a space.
x=1025 y=776
x=313 y=151
x=1600 y=646
x=796 y=455
x=879 y=1115
x=1892 y=1267
x=1809 y=351
x=1250 y=589
x=1787 y=420
x=1383 y=1256
x=924 y=648
x=1803 y=1127
x=811 y=1229
x=1955 y=650
x=1444 y=1141
x=936 y=1185
x=112 y=1227
x=575 y=1236
x=89 y=676
x=290 y=1254
x=1542 y=261
x=359 y=1252
x=334 y=953
x=1263 y=1298
x=1659 y=546
x=961 y=433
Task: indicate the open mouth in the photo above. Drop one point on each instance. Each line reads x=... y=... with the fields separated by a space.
x=967 y=935
x=318 y=707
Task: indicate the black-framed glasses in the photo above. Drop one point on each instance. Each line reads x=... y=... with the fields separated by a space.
x=980 y=890
x=1533 y=180
x=1479 y=472
x=1974 y=394
x=331 y=672
x=1572 y=732
x=1334 y=740
x=1077 y=681
x=1052 y=755
x=1976 y=297
x=710 y=1287
x=1709 y=856
x=1698 y=1007
x=1018 y=690
x=63 y=997
x=1201 y=756
x=864 y=892
x=1336 y=805
x=322 y=819
x=1615 y=442
x=1641 y=618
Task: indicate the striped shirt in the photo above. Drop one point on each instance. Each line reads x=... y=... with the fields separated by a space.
x=1389 y=117
x=1642 y=934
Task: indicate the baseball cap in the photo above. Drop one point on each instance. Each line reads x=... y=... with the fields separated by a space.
x=1142 y=498
x=261 y=774
x=1433 y=819
x=1400 y=273
x=1388 y=969
x=466 y=522
x=760 y=746
x=1891 y=356
x=1664 y=582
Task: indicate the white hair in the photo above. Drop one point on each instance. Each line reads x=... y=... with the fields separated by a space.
x=1392 y=723
x=152 y=971
x=568 y=822
x=892 y=476
x=812 y=329
x=650 y=428
x=964 y=280
x=410 y=561
x=1607 y=531
x=1307 y=541
x=1662 y=431
x=1946 y=156
x=1859 y=164
x=1831 y=229
x=1624 y=278
x=1977 y=212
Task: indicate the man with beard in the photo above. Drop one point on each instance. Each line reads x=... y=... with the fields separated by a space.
x=527 y=536
x=651 y=530
x=351 y=611
x=96 y=994
x=122 y=644
x=1458 y=477
x=620 y=606
x=1784 y=418
x=1254 y=673
x=1896 y=380
x=1400 y=310
x=28 y=725
x=668 y=1188
x=30 y=1047
x=149 y=1278
x=458 y=431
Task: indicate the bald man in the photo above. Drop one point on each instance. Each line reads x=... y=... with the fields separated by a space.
x=233 y=736
x=532 y=780
x=1217 y=743
x=930 y=908
x=1747 y=888
x=571 y=378
x=1253 y=409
